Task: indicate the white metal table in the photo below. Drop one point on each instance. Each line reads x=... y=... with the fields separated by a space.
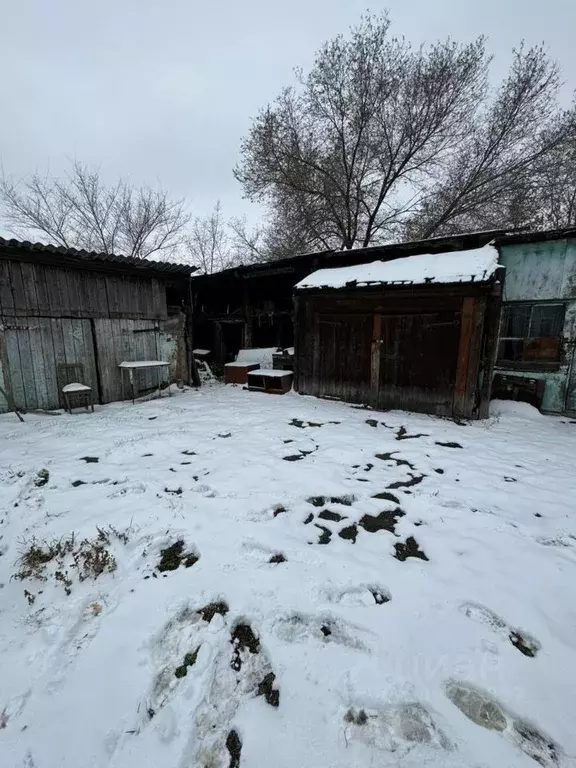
x=139 y=365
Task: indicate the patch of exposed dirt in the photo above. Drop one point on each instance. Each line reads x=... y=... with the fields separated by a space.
x=174 y=556
x=439 y=471
x=379 y=597
x=524 y=644
x=372 y=422
x=277 y=558
x=317 y=501
x=402 y=434
x=175 y=491
x=327 y=514
x=309 y=519
x=279 y=509
x=409 y=548
x=449 y=445
x=414 y=480
x=209 y=611
x=189 y=661
x=387 y=496
x=90 y=459
x=243 y=639
x=385 y=521
x=234 y=747
x=41 y=478
x=187 y=453
x=399 y=462
x=304 y=424
x=325 y=536
x=350 y=533
x=266 y=689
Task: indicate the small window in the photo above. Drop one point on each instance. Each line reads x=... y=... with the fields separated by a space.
x=531 y=334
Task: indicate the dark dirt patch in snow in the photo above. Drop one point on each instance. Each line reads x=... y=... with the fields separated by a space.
x=210 y=610
x=385 y=521
x=510 y=479
x=409 y=548
x=399 y=462
x=187 y=453
x=317 y=501
x=439 y=471
x=327 y=514
x=41 y=478
x=176 y=491
x=189 y=661
x=279 y=509
x=402 y=434
x=387 y=496
x=449 y=445
x=325 y=629
x=309 y=519
x=414 y=480
x=379 y=597
x=325 y=536
x=243 y=639
x=277 y=558
x=372 y=422
x=174 y=556
x=89 y=459
x=294 y=457
x=304 y=424
x=525 y=645
x=234 y=747
x=147 y=455
x=266 y=689
x=78 y=483
x=320 y=501
x=350 y=533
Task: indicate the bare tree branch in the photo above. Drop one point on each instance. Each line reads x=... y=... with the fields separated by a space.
x=80 y=211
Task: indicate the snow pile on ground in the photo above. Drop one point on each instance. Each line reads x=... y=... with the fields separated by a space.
x=225 y=578
x=475 y=265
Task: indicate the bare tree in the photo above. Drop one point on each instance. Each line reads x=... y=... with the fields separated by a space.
x=380 y=140
x=514 y=148
x=372 y=117
x=80 y=211
x=208 y=243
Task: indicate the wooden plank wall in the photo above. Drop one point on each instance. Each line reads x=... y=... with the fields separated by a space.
x=35 y=290
x=34 y=347
x=51 y=315
x=124 y=339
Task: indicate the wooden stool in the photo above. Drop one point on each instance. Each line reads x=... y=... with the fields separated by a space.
x=81 y=395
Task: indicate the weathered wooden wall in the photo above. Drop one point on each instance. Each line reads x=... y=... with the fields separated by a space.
x=411 y=348
x=52 y=315
x=35 y=290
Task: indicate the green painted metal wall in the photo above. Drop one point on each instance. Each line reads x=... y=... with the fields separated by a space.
x=546 y=271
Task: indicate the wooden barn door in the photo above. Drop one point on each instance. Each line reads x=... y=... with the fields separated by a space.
x=414 y=361
x=342 y=357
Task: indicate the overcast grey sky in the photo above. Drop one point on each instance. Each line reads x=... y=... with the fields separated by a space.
x=162 y=92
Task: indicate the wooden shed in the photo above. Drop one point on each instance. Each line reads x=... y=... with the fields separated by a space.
x=417 y=333
x=61 y=307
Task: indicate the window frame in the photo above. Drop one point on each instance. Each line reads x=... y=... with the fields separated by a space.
x=530 y=365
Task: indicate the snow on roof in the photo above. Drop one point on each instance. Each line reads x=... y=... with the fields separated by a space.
x=476 y=265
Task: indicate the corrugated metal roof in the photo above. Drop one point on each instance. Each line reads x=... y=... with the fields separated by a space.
x=87 y=256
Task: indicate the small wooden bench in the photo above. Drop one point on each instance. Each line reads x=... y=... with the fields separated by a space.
x=271 y=381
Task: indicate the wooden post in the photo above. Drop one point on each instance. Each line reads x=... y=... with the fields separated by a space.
x=460 y=386
x=375 y=364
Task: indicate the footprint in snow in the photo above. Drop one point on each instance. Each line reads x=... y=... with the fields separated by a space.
x=296 y=628
x=525 y=643
x=482 y=708
x=361 y=595
x=395 y=728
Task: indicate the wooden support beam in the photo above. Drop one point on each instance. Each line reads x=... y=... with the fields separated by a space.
x=459 y=404
x=375 y=363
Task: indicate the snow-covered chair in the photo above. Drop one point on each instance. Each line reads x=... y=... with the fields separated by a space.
x=75 y=394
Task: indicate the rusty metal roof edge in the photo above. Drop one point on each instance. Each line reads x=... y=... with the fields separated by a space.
x=166 y=267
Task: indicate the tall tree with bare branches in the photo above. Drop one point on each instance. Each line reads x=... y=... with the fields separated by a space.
x=381 y=140
x=81 y=211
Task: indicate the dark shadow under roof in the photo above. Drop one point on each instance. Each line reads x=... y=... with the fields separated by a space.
x=70 y=257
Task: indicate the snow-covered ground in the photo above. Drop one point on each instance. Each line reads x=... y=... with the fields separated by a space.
x=339 y=654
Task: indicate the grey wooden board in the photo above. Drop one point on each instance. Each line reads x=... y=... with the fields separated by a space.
x=35 y=347
x=116 y=342
x=32 y=289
